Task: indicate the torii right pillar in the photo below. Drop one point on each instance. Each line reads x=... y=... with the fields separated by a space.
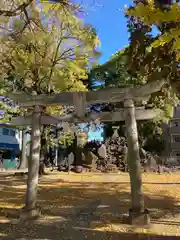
x=138 y=215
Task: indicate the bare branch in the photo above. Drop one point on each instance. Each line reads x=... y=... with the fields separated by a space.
x=16 y=11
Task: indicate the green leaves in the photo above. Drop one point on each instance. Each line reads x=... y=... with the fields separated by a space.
x=115 y=71
x=66 y=139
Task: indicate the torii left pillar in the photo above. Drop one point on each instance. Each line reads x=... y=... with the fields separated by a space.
x=30 y=209
x=79 y=100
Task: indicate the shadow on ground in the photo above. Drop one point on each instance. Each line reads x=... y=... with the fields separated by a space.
x=82 y=211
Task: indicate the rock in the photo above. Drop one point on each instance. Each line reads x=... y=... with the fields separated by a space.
x=117 y=154
x=78 y=169
x=166 y=169
x=112 y=168
x=139 y=219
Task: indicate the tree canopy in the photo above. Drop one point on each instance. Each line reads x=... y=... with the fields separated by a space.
x=52 y=53
x=164 y=16
x=152 y=63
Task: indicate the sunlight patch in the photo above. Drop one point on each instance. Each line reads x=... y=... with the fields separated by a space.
x=48 y=219
x=3 y=234
x=3 y=220
x=154 y=229
x=19 y=186
x=103 y=206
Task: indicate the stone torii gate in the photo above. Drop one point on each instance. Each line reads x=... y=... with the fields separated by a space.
x=81 y=100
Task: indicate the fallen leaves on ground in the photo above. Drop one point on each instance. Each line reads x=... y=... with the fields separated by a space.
x=87 y=206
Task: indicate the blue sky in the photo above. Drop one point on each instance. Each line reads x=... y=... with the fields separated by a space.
x=108 y=19
x=110 y=24
x=96 y=135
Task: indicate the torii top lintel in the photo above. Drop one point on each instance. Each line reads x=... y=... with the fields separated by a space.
x=82 y=99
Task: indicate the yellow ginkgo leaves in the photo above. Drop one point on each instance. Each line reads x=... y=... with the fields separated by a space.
x=152 y=15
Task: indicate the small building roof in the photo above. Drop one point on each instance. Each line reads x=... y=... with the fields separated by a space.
x=7 y=125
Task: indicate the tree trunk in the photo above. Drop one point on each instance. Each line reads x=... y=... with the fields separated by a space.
x=33 y=163
x=77 y=155
x=42 y=152
x=133 y=158
x=41 y=163
x=59 y=152
x=23 y=157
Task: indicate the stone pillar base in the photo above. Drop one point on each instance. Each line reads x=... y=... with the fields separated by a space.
x=139 y=219
x=32 y=214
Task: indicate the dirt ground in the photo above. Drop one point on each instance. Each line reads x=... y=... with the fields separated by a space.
x=90 y=207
